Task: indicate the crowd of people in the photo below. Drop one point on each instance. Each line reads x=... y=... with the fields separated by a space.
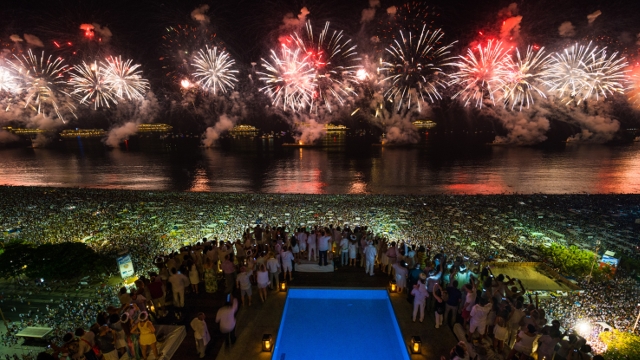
x=249 y=235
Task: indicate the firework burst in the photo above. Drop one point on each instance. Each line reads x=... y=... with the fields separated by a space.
x=214 y=70
x=581 y=72
x=481 y=73
x=335 y=62
x=414 y=68
x=179 y=44
x=289 y=78
x=526 y=78
x=91 y=84
x=124 y=79
x=8 y=81
x=44 y=82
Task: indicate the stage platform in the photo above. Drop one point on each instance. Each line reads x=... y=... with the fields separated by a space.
x=312 y=266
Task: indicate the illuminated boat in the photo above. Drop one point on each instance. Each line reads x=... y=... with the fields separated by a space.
x=83 y=133
x=424 y=124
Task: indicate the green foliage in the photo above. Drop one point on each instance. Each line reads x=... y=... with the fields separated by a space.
x=630 y=264
x=572 y=260
x=14 y=258
x=52 y=261
x=620 y=345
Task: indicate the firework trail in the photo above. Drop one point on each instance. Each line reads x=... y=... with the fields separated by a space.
x=526 y=78
x=481 y=75
x=335 y=61
x=91 y=84
x=414 y=68
x=289 y=79
x=44 y=82
x=581 y=72
x=124 y=79
x=214 y=70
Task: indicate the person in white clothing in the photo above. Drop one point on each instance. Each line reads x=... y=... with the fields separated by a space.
x=273 y=266
x=479 y=314
x=311 y=245
x=420 y=295
x=302 y=240
x=401 y=272
x=287 y=263
x=344 y=251
x=201 y=333
x=370 y=253
x=243 y=282
x=263 y=281
x=353 y=251
x=226 y=317
x=178 y=283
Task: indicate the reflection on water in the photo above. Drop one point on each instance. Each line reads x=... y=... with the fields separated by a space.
x=271 y=169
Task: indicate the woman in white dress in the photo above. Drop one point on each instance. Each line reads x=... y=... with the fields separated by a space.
x=263 y=282
x=194 y=278
x=353 y=249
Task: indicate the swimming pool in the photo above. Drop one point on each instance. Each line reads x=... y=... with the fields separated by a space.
x=339 y=324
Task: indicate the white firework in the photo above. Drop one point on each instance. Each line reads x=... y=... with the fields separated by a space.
x=214 y=70
x=124 y=79
x=414 y=68
x=91 y=85
x=582 y=72
x=526 y=78
x=8 y=81
x=44 y=84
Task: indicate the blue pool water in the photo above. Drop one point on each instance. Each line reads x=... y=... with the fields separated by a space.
x=339 y=324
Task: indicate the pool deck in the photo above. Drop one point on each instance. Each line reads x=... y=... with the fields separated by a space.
x=259 y=319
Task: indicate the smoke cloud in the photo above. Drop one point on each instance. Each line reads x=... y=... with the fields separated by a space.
x=509 y=11
x=370 y=13
x=144 y=111
x=103 y=32
x=199 y=14
x=392 y=10
x=593 y=16
x=397 y=125
x=523 y=128
x=566 y=29
x=15 y=38
x=33 y=40
x=291 y=22
x=7 y=137
x=213 y=133
x=121 y=133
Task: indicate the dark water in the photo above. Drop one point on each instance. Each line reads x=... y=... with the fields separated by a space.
x=268 y=168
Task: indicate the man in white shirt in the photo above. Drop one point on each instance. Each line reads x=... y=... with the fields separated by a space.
x=479 y=314
x=311 y=245
x=323 y=247
x=243 y=282
x=344 y=251
x=201 y=333
x=227 y=319
x=370 y=253
x=178 y=283
x=287 y=263
x=273 y=266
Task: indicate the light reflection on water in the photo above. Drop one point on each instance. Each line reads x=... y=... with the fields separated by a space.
x=492 y=170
